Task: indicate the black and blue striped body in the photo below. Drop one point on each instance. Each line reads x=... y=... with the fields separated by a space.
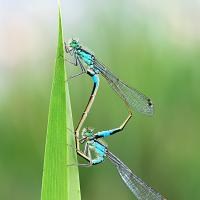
x=94 y=76
x=98 y=147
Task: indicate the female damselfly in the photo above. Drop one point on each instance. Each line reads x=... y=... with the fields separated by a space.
x=93 y=142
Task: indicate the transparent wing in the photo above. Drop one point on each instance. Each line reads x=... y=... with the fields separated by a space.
x=140 y=189
x=134 y=99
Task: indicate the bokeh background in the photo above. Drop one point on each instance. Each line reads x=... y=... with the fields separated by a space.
x=153 y=46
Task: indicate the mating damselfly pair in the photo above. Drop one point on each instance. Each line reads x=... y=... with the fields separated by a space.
x=133 y=99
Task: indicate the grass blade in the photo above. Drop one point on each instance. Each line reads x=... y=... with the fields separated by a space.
x=60 y=182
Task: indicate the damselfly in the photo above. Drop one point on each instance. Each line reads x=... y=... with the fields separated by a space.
x=93 y=142
x=134 y=99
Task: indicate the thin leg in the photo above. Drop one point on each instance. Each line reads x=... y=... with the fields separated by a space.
x=81 y=140
x=76 y=75
x=99 y=159
x=66 y=49
x=77 y=61
x=86 y=151
x=80 y=164
x=86 y=154
x=87 y=157
x=73 y=63
x=81 y=65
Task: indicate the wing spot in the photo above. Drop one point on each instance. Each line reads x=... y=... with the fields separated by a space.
x=150 y=103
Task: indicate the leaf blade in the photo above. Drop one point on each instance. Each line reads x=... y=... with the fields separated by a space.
x=59 y=182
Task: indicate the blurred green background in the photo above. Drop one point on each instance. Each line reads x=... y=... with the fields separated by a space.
x=153 y=46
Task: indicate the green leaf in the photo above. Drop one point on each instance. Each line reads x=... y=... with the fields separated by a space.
x=60 y=181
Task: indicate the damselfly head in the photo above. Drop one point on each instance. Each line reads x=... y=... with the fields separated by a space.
x=74 y=44
x=88 y=132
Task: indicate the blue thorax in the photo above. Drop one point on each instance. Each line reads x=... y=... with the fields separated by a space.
x=87 y=57
x=98 y=147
